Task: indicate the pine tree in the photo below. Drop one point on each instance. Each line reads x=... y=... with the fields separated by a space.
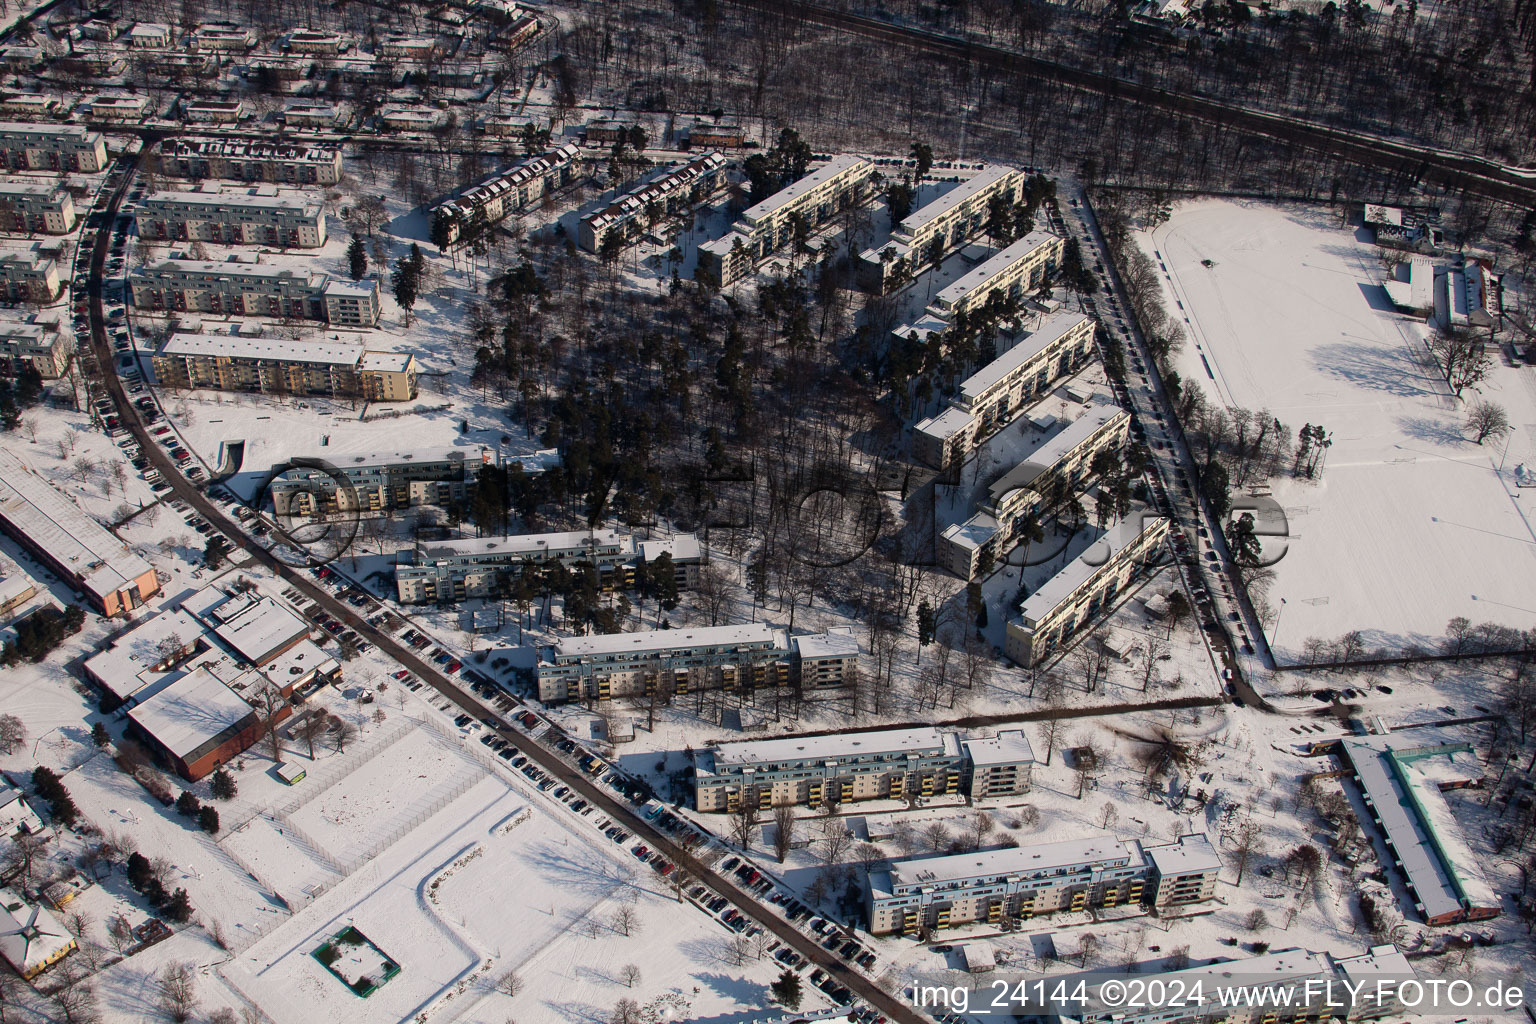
x=787 y=990
x=925 y=623
x=406 y=280
x=188 y=804
x=139 y=871
x=178 y=908
x=223 y=785
x=208 y=819
x=99 y=735
x=357 y=258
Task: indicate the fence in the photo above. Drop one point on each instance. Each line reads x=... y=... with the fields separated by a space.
x=322 y=777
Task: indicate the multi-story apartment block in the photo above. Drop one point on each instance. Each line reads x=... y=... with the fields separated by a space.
x=455 y=570
x=710 y=135
x=51 y=147
x=929 y=233
x=408 y=47
x=214 y=111
x=312 y=41
x=227 y=362
x=607 y=132
x=1059 y=461
x=35 y=207
x=507 y=191
x=1014 y=272
x=256 y=216
x=1183 y=872
x=404 y=118
x=1000 y=765
x=253 y=289
x=992 y=396
x=279 y=163
x=1068 y=601
x=76 y=548
x=663 y=661
x=377 y=482
x=679 y=189
x=838 y=184
x=1017 y=883
x=1290 y=986
x=149 y=35
x=223 y=38
x=35 y=344
x=28 y=276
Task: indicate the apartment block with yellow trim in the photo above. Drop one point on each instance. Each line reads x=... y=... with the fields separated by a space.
x=376 y=482
x=663 y=662
x=1068 y=602
x=51 y=147
x=936 y=228
x=1061 y=458
x=277 y=366
x=1015 y=883
x=841 y=182
x=991 y=397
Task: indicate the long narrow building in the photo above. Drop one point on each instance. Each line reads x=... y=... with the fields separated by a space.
x=679 y=189
x=256 y=216
x=505 y=192
x=269 y=366
x=36 y=207
x=934 y=229
x=246 y=288
x=238 y=160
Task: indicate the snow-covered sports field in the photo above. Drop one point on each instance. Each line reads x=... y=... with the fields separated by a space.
x=1411 y=523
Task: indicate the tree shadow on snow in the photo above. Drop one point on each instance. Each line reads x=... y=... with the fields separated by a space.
x=1373 y=369
x=1432 y=431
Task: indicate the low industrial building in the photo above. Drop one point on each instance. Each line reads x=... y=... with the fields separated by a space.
x=333 y=369
x=883 y=764
x=28 y=275
x=1060 y=459
x=991 y=397
x=506 y=192
x=1402 y=785
x=1065 y=604
x=1018 y=883
x=31 y=939
x=254 y=216
x=276 y=162
x=36 y=344
x=929 y=233
x=833 y=187
x=666 y=662
x=73 y=546
x=51 y=147
x=35 y=208
x=677 y=190
x=244 y=287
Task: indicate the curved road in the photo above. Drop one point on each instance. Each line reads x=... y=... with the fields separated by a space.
x=547 y=759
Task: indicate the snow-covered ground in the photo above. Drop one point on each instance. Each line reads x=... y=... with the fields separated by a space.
x=1411 y=523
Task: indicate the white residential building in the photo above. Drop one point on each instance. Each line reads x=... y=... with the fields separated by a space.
x=35 y=207
x=28 y=276
x=246 y=288
x=35 y=343
x=228 y=362
x=255 y=216
x=506 y=192
x=938 y=227
x=281 y=163
x=51 y=147
x=678 y=189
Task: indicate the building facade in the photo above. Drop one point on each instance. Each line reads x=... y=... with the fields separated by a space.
x=51 y=147
x=28 y=276
x=835 y=186
x=38 y=345
x=506 y=192
x=935 y=229
x=1059 y=464
x=243 y=288
x=675 y=191
x=1015 y=884
x=1000 y=766
x=279 y=163
x=36 y=208
x=455 y=570
x=258 y=216
x=1016 y=271
x=1049 y=618
x=376 y=483
x=225 y=362
x=990 y=398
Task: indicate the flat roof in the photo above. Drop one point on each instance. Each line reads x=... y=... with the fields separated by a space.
x=1188 y=854
x=663 y=639
x=982 y=180
x=1058 y=588
x=1100 y=410
x=258 y=628
x=831 y=169
x=123 y=665
x=231 y=268
x=231 y=346
x=800 y=748
x=36 y=508
x=418 y=457
x=190 y=712
x=259 y=198
x=35 y=189
x=14 y=582
x=1008 y=860
x=683 y=547
x=49 y=132
x=526 y=542
x=833 y=643
x=1010 y=746
x=972 y=533
x=1049 y=332
x=994 y=265
x=386 y=362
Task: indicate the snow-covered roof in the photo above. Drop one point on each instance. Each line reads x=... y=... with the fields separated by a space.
x=15 y=584
x=1010 y=746
x=527 y=542
x=417 y=457
x=31 y=189
x=1048 y=334
x=923 y=741
x=229 y=346
x=979 y=182
x=30 y=936
x=664 y=639
x=41 y=512
x=979 y=275
x=782 y=198
x=1067 y=853
x=972 y=533
x=684 y=547
x=386 y=362
x=1103 y=551
x=191 y=712
x=1100 y=410
x=837 y=642
x=1190 y=854
x=124 y=666
x=259 y=629
x=299 y=662
x=261 y=198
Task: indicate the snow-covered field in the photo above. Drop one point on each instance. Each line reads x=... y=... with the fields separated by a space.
x=1411 y=523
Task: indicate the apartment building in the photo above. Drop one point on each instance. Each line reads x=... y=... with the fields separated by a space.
x=455 y=570
x=931 y=232
x=28 y=104
x=310 y=114
x=247 y=288
x=256 y=216
x=992 y=396
x=376 y=482
x=280 y=163
x=885 y=764
x=35 y=344
x=223 y=38
x=1014 y=272
x=405 y=118
x=213 y=111
x=838 y=184
x=1402 y=785
x=149 y=35
x=1183 y=872
x=1000 y=766
x=504 y=193
x=312 y=41
x=77 y=549
x=676 y=190
x=408 y=47
x=28 y=276
x=712 y=135
x=1288 y=986
x=1060 y=460
x=607 y=132
x=35 y=207
x=1067 y=602
x=1016 y=883
x=116 y=108
x=51 y=147
x=227 y=362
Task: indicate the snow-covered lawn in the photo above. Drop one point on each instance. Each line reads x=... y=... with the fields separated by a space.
x=1411 y=524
